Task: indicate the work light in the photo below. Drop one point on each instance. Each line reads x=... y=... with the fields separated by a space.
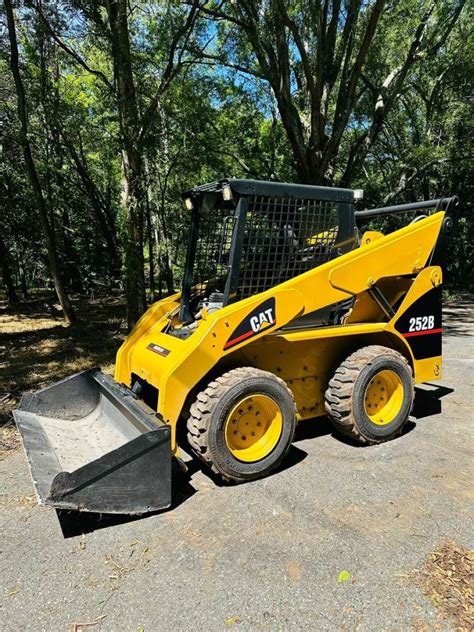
x=226 y=192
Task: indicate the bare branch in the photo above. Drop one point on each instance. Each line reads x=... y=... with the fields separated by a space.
x=221 y=61
x=299 y=45
x=71 y=52
x=346 y=96
x=406 y=179
x=220 y=15
x=390 y=90
x=172 y=67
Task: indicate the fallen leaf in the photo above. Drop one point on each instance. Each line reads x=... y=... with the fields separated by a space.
x=81 y=545
x=343 y=576
x=13 y=591
x=293 y=570
x=233 y=620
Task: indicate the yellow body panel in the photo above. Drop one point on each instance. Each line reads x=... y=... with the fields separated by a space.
x=304 y=359
x=369 y=236
x=405 y=251
x=429 y=368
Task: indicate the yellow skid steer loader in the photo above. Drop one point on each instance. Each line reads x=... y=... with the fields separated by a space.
x=287 y=312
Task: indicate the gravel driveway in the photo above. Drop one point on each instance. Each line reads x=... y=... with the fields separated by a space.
x=266 y=555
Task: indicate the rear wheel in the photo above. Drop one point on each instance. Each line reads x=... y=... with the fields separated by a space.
x=371 y=394
x=242 y=424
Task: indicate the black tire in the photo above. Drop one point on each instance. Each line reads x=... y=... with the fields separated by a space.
x=345 y=396
x=208 y=415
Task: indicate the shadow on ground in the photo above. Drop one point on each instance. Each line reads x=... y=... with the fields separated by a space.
x=74 y=523
x=428 y=399
x=458 y=317
x=427 y=403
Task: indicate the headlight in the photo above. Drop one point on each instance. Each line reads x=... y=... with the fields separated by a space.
x=226 y=192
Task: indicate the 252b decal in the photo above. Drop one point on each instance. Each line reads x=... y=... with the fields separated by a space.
x=421 y=323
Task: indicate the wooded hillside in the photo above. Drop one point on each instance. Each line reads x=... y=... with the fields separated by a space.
x=110 y=109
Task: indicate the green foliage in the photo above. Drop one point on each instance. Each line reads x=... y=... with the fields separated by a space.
x=217 y=116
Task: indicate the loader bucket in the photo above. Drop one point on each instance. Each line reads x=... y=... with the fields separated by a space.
x=92 y=446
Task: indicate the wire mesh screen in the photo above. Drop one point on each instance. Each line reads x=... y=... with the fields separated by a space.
x=211 y=261
x=284 y=237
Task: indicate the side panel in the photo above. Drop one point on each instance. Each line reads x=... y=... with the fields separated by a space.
x=421 y=327
x=123 y=363
x=306 y=360
x=418 y=322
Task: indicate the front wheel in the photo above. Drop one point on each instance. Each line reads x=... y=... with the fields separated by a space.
x=242 y=424
x=371 y=395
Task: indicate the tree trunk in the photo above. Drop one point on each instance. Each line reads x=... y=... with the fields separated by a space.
x=133 y=182
x=48 y=233
x=151 y=262
x=72 y=268
x=100 y=207
x=23 y=282
x=12 y=296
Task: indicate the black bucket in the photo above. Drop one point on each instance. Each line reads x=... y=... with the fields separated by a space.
x=93 y=446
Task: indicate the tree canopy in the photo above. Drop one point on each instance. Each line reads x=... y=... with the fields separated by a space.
x=111 y=109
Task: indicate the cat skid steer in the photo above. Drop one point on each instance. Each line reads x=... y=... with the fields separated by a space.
x=288 y=311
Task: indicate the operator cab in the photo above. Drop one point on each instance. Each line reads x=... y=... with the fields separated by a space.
x=248 y=236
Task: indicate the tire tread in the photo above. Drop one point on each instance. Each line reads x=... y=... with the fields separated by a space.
x=338 y=396
x=201 y=410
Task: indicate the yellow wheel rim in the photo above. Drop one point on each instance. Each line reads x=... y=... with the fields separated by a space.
x=253 y=428
x=383 y=397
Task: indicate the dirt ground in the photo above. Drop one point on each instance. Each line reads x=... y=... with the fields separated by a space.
x=36 y=348
x=340 y=538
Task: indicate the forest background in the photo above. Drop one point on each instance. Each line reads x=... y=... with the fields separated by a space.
x=110 y=109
